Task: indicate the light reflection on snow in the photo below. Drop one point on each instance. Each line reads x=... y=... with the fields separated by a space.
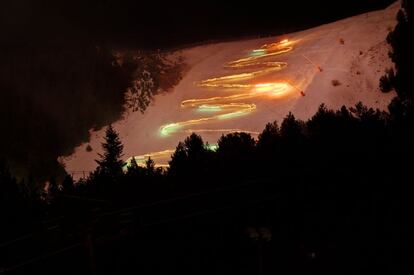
x=260 y=64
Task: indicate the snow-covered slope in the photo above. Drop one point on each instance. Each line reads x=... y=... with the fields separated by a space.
x=336 y=64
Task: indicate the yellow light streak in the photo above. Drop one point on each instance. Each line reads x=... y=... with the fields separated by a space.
x=221 y=82
x=231 y=106
x=235 y=130
x=243 y=62
x=155 y=156
x=239 y=110
x=227 y=104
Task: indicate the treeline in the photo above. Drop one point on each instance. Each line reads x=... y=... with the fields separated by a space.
x=332 y=146
x=333 y=184
x=334 y=191
x=336 y=183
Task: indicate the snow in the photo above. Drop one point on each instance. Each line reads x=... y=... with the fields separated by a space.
x=352 y=51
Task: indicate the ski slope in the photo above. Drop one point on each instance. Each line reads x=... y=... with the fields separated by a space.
x=242 y=85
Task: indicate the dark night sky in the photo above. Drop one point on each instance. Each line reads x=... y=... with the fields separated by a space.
x=154 y=23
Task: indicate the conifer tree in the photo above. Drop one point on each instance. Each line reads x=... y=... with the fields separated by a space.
x=110 y=162
x=150 y=166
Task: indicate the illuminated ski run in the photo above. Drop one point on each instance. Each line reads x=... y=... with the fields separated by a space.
x=242 y=87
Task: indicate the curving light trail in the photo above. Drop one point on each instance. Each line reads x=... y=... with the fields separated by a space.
x=255 y=60
x=234 y=110
x=227 y=105
x=258 y=64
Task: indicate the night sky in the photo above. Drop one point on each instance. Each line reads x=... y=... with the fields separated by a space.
x=155 y=24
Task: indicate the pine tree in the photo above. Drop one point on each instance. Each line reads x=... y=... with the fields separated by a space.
x=401 y=54
x=111 y=163
x=190 y=157
x=235 y=152
x=178 y=160
x=291 y=128
x=134 y=171
x=403 y=58
x=133 y=165
x=150 y=166
x=268 y=140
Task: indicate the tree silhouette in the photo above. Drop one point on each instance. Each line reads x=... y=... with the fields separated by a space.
x=269 y=138
x=134 y=173
x=403 y=58
x=178 y=160
x=323 y=121
x=150 y=167
x=153 y=72
x=190 y=158
x=110 y=163
x=401 y=53
x=291 y=128
x=235 y=153
x=292 y=134
x=132 y=166
x=387 y=81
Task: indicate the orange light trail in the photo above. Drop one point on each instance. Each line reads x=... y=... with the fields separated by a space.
x=229 y=107
x=155 y=156
x=227 y=103
x=238 y=110
x=222 y=82
x=249 y=61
